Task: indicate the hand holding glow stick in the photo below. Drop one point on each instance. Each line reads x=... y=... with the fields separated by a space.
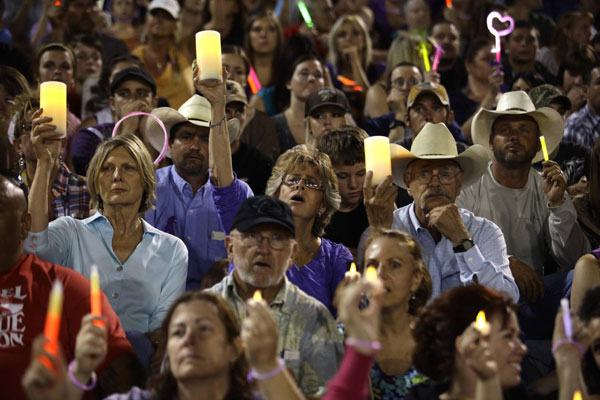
x=52 y=327
x=305 y=14
x=95 y=298
x=497 y=34
x=544 y=148
x=481 y=324
x=564 y=304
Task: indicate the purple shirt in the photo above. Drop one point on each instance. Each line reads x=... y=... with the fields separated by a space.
x=319 y=277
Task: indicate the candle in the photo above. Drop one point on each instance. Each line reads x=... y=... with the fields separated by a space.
x=95 y=295
x=371 y=273
x=425 y=54
x=544 y=148
x=449 y=3
x=208 y=54
x=305 y=15
x=481 y=324
x=53 y=101
x=377 y=157
x=436 y=58
x=253 y=81
x=577 y=395
x=353 y=272
x=497 y=34
x=52 y=327
x=257 y=296
x=564 y=304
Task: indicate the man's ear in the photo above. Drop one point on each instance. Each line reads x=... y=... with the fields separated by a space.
x=450 y=118
x=229 y=248
x=154 y=101
x=407 y=182
x=111 y=103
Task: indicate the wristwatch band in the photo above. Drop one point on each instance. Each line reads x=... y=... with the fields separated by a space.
x=463 y=246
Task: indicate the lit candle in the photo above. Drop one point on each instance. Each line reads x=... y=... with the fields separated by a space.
x=257 y=296
x=377 y=157
x=577 y=395
x=371 y=273
x=208 y=54
x=481 y=324
x=305 y=14
x=52 y=327
x=53 y=101
x=449 y=3
x=566 y=312
x=544 y=148
x=425 y=54
x=353 y=272
x=95 y=295
x=497 y=34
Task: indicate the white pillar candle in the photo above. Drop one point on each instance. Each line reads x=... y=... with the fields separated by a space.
x=53 y=101
x=208 y=55
x=377 y=157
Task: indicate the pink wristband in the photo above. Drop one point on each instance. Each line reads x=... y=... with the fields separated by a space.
x=568 y=341
x=252 y=375
x=365 y=344
x=80 y=385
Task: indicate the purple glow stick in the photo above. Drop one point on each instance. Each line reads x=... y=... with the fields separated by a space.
x=564 y=304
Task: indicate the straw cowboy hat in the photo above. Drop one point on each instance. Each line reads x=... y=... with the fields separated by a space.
x=435 y=142
x=550 y=123
x=195 y=110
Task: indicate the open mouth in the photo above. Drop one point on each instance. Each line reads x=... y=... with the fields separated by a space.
x=297 y=198
x=261 y=264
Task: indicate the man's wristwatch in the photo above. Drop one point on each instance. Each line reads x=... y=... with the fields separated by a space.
x=396 y=123
x=463 y=246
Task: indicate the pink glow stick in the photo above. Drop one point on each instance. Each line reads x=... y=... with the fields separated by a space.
x=436 y=58
x=255 y=83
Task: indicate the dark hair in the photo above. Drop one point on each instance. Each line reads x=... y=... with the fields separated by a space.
x=423 y=292
x=164 y=385
x=344 y=145
x=15 y=180
x=445 y=318
x=589 y=309
x=474 y=48
x=107 y=69
x=288 y=73
x=13 y=81
x=587 y=72
x=561 y=40
x=401 y=64
x=86 y=40
x=532 y=79
x=576 y=64
x=234 y=49
x=521 y=24
x=594 y=185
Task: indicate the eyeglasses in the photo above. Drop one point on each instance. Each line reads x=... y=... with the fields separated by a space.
x=311 y=183
x=446 y=176
x=254 y=239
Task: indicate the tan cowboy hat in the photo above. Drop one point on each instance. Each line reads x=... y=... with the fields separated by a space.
x=550 y=123
x=195 y=110
x=435 y=142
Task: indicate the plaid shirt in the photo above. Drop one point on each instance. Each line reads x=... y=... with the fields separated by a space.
x=583 y=127
x=71 y=197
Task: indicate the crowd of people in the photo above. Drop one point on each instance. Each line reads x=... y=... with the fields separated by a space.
x=245 y=249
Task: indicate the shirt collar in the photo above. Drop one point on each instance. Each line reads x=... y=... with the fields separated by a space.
x=413 y=218
x=181 y=183
x=148 y=229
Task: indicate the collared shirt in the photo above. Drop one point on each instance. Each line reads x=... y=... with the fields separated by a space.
x=192 y=218
x=309 y=341
x=141 y=289
x=532 y=229
x=71 y=197
x=485 y=263
x=583 y=127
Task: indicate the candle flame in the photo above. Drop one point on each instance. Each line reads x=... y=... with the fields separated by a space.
x=449 y=3
x=480 y=321
x=257 y=296
x=353 y=268
x=371 y=273
x=577 y=395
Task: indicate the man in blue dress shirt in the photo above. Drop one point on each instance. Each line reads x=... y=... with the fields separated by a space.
x=184 y=204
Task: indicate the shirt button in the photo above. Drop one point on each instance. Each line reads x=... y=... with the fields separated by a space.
x=469 y=259
x=120 y=268
x=189 y=238
x=191 y=211
x=115 y=295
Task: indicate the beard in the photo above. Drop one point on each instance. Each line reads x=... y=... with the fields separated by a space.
x=196 y=165
x=512 y=160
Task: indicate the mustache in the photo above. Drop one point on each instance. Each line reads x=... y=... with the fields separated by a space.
x=436 y=192
x=193 y=154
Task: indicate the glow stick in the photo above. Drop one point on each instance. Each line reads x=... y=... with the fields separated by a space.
x=425 y=54
x=257 y=296
x=52 y=326
x=544 y=148
x=349 y=82
x=564 y=304
x=305 y=14
x=497 y=34
x=95 y=298
x=449 y=3
x=253 y=81
x=436 y=58
x=371 y=273
x=481 y=324
x=353 y=272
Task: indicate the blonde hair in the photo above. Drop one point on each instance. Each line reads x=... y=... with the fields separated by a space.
x=300 y=156
x=140 y=155
x=334 y=54
x=405 y=49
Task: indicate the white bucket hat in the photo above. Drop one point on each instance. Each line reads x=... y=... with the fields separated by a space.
x=195 y=110
x=550 y=123
x=435 y=142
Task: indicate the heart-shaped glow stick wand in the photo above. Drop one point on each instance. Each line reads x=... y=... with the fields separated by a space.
x=497 y=34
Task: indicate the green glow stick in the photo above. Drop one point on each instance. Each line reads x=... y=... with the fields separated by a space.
x=305 y=14
x=544 y=148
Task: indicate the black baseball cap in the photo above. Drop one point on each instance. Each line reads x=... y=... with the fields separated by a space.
x=326 y=96
x=132 y=73
x=263 y=209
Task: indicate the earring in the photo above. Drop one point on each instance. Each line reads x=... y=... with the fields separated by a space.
x=21 y=163
x=412 y=303
x=60 y=159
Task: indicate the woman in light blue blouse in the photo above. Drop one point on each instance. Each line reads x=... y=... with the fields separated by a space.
x=142 y=270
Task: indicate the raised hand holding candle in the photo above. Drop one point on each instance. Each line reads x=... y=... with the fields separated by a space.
x=52 y=326
x=481 y=324
x=208 y=54
x=352 y=272
x=566 y=312
x=257 y=296
x=497 y=34
x=544 y=148
x=377 y=157
x=53 y=102
x=371 y=273
x=95 y=298
x=305 y=14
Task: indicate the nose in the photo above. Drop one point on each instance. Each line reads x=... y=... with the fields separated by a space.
x=352 y=181
x=117 y=175
x=264 y=245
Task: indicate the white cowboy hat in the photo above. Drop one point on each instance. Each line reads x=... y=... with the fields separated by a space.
x=435 y=142
x=195 y=110
x=550 y=123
